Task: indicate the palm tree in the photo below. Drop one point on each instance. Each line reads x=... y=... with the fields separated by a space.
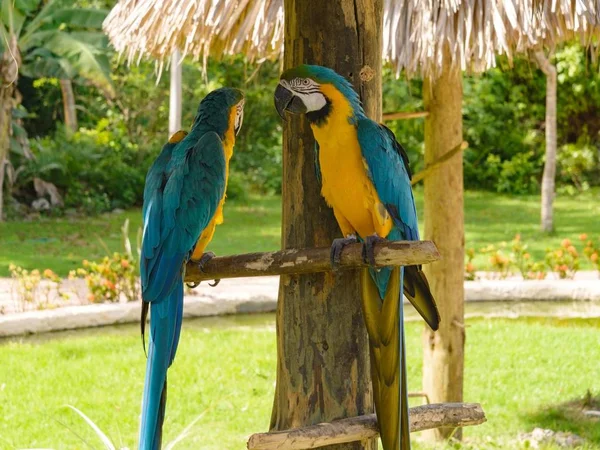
x=42 y=39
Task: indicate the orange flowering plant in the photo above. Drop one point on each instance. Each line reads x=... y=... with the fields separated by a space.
x=564 y=260
x=470 y=269
x=522 y=260
x=499 y=262
x=591 y=251
x=114 y=276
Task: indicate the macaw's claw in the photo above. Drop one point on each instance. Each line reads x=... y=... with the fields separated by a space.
x=217 y=281
x=336 y=249
x=368 y=250
x=206 y=257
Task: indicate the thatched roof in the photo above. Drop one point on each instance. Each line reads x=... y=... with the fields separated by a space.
x=199 y=28
x=415 y=31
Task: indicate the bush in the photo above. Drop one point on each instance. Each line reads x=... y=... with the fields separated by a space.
x=95 y=170
x=563 y=260
x=503 y=112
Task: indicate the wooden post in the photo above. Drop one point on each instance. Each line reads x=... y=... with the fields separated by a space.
x=322 y=347
x=175 y=94
x=444 y=225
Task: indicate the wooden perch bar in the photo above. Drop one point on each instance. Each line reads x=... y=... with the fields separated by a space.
x=447 y=415
x=402 y=115
x=390 y=253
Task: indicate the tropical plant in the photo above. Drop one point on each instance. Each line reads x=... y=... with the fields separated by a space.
x=563 y=260
x=48 y=40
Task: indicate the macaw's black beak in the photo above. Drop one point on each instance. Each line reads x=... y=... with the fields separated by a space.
x=285 y=100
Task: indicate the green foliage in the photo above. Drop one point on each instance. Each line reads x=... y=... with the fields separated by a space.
x=104 y=165
x=96 y=169
x=57 y=41
x=578 y=165
x=503 y=122
x=502 y=113
x=517 y=175
x=403 y=95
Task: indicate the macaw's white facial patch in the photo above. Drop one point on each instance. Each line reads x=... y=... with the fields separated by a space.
x=314 y=101
x=309 y=91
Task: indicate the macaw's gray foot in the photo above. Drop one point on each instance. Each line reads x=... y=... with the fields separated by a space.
x=206 y=257
x=336 y=249
x=368 y=250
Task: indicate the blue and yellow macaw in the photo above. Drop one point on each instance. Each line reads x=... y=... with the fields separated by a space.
x=183 y=202
x=365 y=178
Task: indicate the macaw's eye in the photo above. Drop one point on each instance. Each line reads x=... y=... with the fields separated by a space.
x=306 y=82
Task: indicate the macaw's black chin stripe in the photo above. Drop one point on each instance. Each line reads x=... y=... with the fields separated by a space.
x=320 y=116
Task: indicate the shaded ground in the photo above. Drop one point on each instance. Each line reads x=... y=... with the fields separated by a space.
x=570 y=416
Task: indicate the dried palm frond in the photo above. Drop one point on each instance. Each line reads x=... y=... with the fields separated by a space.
x=415 y=32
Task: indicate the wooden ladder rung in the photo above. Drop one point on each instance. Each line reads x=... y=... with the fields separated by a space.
x=425 y=417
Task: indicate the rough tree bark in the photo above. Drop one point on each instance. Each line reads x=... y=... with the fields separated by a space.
x=9 y=74
x=175 y=94
x=322 y=347
x=548 y=178
x=68 y=97
x=444 y=224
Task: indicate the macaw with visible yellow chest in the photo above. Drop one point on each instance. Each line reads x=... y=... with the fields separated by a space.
x=183 y=202
x=366 y=180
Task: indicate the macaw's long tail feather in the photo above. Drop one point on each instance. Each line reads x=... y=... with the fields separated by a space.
x=385 y=326
x=417 y=291
x=165 y=328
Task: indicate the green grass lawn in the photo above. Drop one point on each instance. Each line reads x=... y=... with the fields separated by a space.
x=61 y=244
x=523 y=372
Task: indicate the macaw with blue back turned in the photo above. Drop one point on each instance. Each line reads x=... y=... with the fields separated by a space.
x=183 y=202
x=365 y=178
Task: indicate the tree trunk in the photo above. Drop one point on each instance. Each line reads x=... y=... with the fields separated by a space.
x=175 y=94
x=9 y=75
x=322 y=347
x=444 y=224
x=68 y=97
x=548 y=178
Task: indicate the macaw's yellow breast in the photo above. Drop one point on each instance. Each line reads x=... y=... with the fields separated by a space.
x=217 y=219
x=345 y=183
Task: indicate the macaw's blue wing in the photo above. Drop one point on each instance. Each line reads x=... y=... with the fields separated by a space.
x=183 y=196
x=152 y=209
x=388 y=169
x=176 y=215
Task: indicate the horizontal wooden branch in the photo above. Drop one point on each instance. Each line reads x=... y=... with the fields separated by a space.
x=439 y=415
x=401 y=115
x=389 y=253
